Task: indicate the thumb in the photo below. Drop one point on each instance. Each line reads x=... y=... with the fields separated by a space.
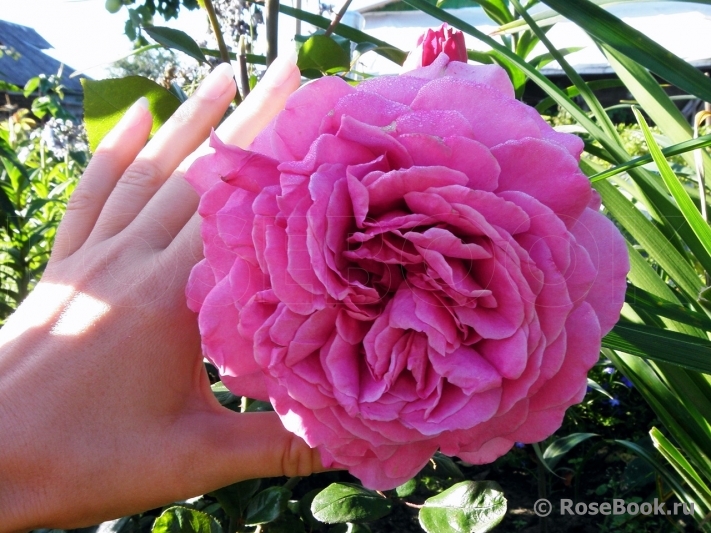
x=238 y=446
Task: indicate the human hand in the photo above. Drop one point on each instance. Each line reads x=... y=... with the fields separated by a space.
x=105 y=406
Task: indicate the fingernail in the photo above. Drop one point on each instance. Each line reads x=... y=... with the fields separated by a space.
x=137 y=110
x=218 y=82
x=281 y=69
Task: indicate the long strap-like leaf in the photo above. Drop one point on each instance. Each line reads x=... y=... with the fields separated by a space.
x=609 y=29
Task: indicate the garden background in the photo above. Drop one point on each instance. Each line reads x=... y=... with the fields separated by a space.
x=642 y=431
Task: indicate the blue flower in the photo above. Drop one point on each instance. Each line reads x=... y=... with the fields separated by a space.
x=609 y=370
x=520 y=445
x=614 y=402
x=626 y=382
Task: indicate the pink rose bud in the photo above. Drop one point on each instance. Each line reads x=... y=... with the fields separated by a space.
x=433 y=42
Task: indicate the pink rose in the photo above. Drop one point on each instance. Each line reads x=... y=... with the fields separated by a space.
x=433 y=42
x=412 y=264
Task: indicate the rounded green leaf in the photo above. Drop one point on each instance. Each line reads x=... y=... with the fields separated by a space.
x=407 y=488
x=345 y=502
x=184 y=520
x=267 y=506
x=323 y=54
x=467 y=507
x=113 y=6
x=106 y=101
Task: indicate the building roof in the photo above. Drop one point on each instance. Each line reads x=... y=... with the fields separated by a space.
x=28 y=44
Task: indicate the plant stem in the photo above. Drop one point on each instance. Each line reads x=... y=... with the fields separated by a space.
x=272 y=24
x=224 y=53
x=242 y=62
x=337 y=18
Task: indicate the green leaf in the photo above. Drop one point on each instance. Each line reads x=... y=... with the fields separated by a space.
x=345 y=502
x=349 y=528
x=286 y=523
x=687 y=207
x=323 y=54
x=266 y=506
x=669 y=151
x=183 y=520
x=660 y=345
x=681 y=465
x=444 y=467
x=573 y=91
x=234 y=498
x=177 y=40
x=407 y=488
x=550 y=17
x=594 y=385
x=650 y=237
x=386 y=50
x=558 y=448
x=496 y=10
x=106 y=101
x=467 y=507
x=642 y=300
x=634 y=44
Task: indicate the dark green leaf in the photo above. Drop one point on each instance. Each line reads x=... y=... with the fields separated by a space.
x=266 y=506
x=323 y=54
x=407 y=488
x=184 y=520
x=345 y=502
x=469 y=506
x=286 y=523
x=661 y=345
x=444 y=467
x=234 y=498
x=305 y=510
x=349 y=528
x=638 y=473
x=226 y=398
x=645 y=301
x=106 y=101
x=558 y=448
x=634 y=44
x=177 y=40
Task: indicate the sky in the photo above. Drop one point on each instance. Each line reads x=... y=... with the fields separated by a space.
x=84 y=35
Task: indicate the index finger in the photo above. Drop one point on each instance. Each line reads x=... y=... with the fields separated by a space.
x=176 y=198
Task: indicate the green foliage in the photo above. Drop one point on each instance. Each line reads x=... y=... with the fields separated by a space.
x=39 y=166
x=145 y=10
x=324 y=55
x=184 y=520
x=469 y=506
x=176 y=40
x=106 y=101
x=345 y=502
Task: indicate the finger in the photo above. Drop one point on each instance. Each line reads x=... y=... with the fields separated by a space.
x=111 y=158
x=263 y=103
x=181 y=135
x=252 y=116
